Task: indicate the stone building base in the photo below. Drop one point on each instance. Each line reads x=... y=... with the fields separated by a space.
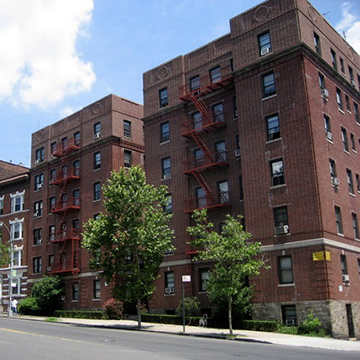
x=333 y=314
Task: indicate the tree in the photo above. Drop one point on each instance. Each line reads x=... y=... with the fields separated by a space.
x=129 y=240
x=4 y=254
x=234 y=255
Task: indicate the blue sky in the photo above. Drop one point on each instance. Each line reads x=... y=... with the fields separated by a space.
x=58 y=56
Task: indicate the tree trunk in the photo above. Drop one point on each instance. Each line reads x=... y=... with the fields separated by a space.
x=138 y=307
x=230 y=315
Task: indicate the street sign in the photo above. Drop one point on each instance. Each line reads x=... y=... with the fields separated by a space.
x=186 y=278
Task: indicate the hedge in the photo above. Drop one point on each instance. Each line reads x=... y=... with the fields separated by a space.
x=259 y=325
x=81 y=314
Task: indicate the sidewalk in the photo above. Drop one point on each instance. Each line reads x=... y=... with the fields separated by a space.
x=240 y=335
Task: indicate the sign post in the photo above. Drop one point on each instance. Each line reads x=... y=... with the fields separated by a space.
x=185 y=279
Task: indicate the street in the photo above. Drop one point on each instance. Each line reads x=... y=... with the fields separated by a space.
x=36 y=340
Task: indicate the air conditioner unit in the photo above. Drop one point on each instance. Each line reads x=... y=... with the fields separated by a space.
x=167 y=176
x=37 y=161
x=40 y=186
x=353 y=83
x=265 y=51
x=48 y=268
x=96 y=136
x=237 y=152
x=329 y=135
x=345 y=278
x=280 y=230
x=36 y=214
x=236 y=113
x=290 y=322
x=324 y=93
x=335 y=181
x=169 y=290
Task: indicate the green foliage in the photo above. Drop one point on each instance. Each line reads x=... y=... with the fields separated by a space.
x=234 y=255
x=192 y=306
x=4 y=254
x=81 y=314
x=169 y=319
x=311 y=326
x=114 y=309
x=29 y=306
x=259 y=325
x=129 y=241
x=48 y=292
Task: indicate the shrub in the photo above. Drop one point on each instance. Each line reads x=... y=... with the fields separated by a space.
x=192 y=306
x=311 y=326
x=114 y=309
x=258 y=325
x=81 y=314
x=29 y=306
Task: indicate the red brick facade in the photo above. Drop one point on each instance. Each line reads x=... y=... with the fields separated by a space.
x=275 y=83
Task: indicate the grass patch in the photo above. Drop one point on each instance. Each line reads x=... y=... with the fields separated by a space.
x=52 y=319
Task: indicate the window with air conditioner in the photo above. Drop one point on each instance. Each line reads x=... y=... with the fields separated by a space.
x=272 y=127
x=281 y=220
x=169 y=282
x=166 y=168
x=264 y=42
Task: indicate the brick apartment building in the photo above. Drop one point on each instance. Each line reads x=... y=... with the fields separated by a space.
x=264 y=122
x=71 y=159
x=14 y=213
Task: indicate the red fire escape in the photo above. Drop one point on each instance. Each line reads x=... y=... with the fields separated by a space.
x=204 y=159
x=66 y=240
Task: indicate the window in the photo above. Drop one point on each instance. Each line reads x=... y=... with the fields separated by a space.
x=333 y=59
x=241 y=190
x=201 y=197
x=220 y=151
x=76 y=197
x=76 y=167
x=52 y=176
x=97 y=130
x=164 y=132
x=347 y=102
x=17 y=202
x=52 y=203
x=355 y=225
x=169 y=282
x=53 y=147
x=38 y=208
x=218 y=112
x=37 y=265
x=16 y=230
x=51 y=232
x=17 y=257
x=77 y=138
x=203 y=279
x=264 y=44
x=277 y=172
x=327 y=127
x=322 y=81
x=317 y=44
x=127 y=128
x=235 y=107
x=358 y=182
x=215 y=74
x=37 y=236
x=64 y=143
x=332 y=166
x=195 y=83
x=97 y=289
x=269 y=84
x=197 y=120
x=350 y=181
x=344 y=139
x=39 y=181
x=97 y=160
x=39 y=155
x=289 y=315
x=1 y=205
x=351 y=75
x=285 y=270
x=339 y=99
x=17 y=288
x=127 y=158
x=75 y=291
x=199 y=157
x=168 y=204
x=223 y=187
x=353 y=143
x=273 y=128
x=163 y=96
x=339 y=226
x=342 y=66
x=356 y=113
x=97 y=191
x=343 y=264
x=166 y=168
x=281 y=216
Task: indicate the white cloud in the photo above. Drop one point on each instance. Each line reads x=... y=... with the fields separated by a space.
x=350 y=26
x=39 y=64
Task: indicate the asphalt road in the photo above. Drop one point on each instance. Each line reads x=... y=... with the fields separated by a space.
x=33 y=340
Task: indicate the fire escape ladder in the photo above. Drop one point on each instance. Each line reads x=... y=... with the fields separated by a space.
x=201 y=106
x=201 y=181
x=202 y=145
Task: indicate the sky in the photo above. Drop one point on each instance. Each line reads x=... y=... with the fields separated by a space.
x=58 y=56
